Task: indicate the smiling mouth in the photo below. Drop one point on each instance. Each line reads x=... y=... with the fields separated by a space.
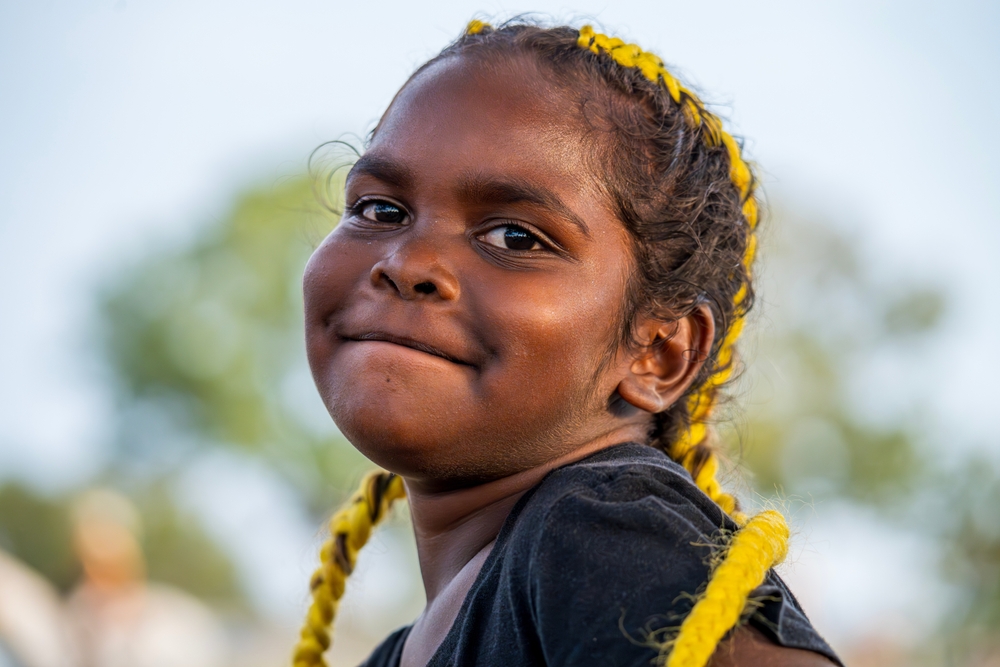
x=379 y=336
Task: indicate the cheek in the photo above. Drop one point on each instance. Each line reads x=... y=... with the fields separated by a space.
x=333 y=273
x=331 y=276
x=566 y=320
x=553 y=338
x=397 y=406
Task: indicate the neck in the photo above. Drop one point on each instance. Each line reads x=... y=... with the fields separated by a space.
x=451 y=527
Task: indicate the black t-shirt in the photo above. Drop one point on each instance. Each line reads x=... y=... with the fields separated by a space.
x=591 y=563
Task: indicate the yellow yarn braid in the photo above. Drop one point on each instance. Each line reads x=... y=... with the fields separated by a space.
x=349 y=530
x=762 y=541
x=756 y=547
x=702 y=402
x=475 y=27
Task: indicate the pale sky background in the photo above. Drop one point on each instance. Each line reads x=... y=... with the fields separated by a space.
x=125 y=122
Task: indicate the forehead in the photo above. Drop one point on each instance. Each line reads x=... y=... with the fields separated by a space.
x=463 y=114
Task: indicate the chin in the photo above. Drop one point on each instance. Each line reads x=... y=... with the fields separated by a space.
x=406 y=414
x=396 y=443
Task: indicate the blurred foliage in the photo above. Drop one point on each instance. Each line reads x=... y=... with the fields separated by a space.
x=823 y=318
x=179 y=552
x=967 y=518
x=916 y=312
x=205 y=343
x=38 y=530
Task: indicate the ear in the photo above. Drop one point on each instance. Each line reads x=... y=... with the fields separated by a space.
x=668 y=360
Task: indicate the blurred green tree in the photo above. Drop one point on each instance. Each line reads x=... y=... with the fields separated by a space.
x=824 y=318
x=206 y=347
x=36 y=530
x=170 y=537
x=966 y=517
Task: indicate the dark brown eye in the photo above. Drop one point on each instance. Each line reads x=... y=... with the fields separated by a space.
x=511 y=237
x=383 y=211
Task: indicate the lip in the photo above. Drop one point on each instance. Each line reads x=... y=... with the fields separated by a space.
x=383 y=337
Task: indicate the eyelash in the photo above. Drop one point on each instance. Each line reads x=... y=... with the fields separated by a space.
x=356 y=210
x=526 y=235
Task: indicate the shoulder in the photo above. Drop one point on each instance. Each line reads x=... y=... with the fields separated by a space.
x=629 y=472
x=615 y=547
x=627 y=504
x=619 y=494
x=618 y=546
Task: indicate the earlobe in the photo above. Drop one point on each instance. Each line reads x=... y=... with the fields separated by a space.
x=669 y=359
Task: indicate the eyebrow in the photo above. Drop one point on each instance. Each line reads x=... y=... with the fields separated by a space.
x=480 y=189
x=383 y=169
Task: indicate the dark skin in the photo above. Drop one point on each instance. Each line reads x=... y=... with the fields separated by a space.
x=458 y=317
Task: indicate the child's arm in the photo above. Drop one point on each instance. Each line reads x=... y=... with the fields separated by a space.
x=748 y=646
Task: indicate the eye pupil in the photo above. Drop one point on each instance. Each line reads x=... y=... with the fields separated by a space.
x=516 y=238
x=385 y=212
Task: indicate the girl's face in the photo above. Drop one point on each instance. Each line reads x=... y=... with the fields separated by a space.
x=458 y=316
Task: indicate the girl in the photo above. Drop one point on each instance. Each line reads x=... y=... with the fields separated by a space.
x=525 y=315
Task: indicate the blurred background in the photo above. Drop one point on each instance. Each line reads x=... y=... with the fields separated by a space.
x=165 y=463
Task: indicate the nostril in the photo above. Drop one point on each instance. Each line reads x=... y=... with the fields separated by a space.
x=425 y=287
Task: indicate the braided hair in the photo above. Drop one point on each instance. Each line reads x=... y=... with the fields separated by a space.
x=682 y=188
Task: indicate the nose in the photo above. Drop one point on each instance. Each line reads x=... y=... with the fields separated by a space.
x=416 y=271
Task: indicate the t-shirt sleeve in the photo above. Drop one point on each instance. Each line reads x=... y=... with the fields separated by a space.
x=610 y=580
x=781 y=618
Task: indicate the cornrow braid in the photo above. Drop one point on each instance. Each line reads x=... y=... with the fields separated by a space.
x=762 y=541
x=684 y=431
